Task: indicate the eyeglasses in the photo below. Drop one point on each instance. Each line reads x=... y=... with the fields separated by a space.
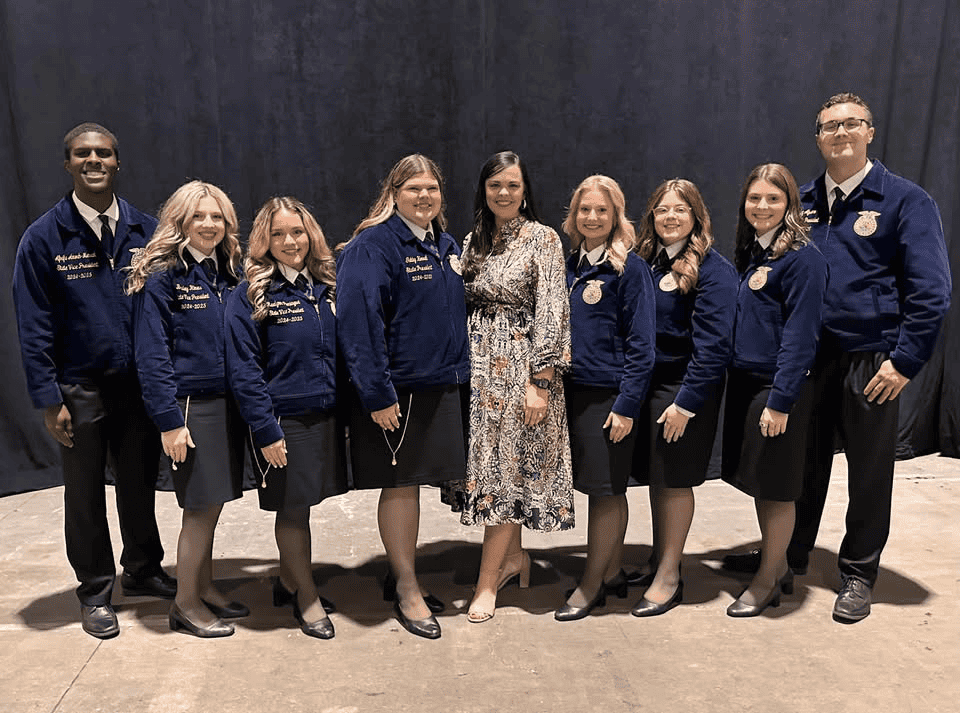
x=851 y=124
x=680 y=210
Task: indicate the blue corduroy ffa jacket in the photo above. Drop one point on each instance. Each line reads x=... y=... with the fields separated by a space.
x=889 y=271
x=178 y=337
x=612 y=329
x=401 y=315
x=779 y=312
x=72 y=314
x=696 y=329
x=285 y=364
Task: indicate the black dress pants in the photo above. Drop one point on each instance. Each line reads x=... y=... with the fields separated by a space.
x=109 y=423
x=868 y=433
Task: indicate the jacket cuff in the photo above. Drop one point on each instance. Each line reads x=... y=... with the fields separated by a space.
x=687 y=400
x=271 y=433
x=625 y=406
x=905 y=365
x=377 y=400
x=169 y=420
x=48 y=397
x=779 y=401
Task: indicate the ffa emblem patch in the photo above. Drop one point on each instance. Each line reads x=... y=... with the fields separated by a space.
x=592 y=293
x=668 y=283
x=866 y=224
x=759 y=278
x=455 y=264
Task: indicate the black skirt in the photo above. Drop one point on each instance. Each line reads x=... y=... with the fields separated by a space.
x=767 y=468
x=316 y=464
x=683 y=463
x=600 y=467
x=427 y=449
x=212 y=473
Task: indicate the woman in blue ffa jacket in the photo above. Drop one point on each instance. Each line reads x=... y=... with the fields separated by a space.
x=401 y=321
x=696 y=293
x=611 y=359
x=181 y=281
x=281 y=359
x=783 y=277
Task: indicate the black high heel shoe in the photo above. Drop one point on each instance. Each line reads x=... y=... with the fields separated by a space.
x=283 y=597
x=390 y=595
x=233 y=610
x=786 y=582
x=179 y=622
x=618 y=585
x=571 y=613
x=428 y=628
x=740 y=609
x=322 y=629
x=647 y=608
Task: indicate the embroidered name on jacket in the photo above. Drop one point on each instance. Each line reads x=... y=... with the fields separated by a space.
x=419 y=268
x=77 y=266
x=192 y=296
x=285 y=311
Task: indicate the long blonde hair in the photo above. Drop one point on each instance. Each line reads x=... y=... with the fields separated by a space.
x=260 y=265
x=686 y=268
x=622 y=234
x=169 y=239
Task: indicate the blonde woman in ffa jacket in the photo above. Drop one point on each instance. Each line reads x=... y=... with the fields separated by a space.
x=783 y=277
x=402 y=327
x=180 y=283
x=696 y=294
x=612 y=353
x=281 y=359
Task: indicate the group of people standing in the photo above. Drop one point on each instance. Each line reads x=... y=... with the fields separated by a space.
x=505 y=373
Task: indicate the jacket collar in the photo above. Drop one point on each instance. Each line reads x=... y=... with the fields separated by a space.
x=72 y=223
x=872 y=183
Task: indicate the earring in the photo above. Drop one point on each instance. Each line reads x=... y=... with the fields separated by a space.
x=523 y=204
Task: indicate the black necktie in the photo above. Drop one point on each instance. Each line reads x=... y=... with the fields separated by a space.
x=210 y=267
x=837 y=203
x=582 y=265
x=661 y=263
x=301 y=284
x=106 y=236
x=756 y=251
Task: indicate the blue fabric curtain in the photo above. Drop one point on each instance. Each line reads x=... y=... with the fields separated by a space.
x=318 y=100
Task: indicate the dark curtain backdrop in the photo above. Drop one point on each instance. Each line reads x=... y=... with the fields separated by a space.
x=319 y=99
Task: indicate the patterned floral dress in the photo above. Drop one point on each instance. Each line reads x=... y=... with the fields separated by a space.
x=519 y=324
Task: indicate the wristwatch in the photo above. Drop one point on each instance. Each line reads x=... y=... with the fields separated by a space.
x=540 y=383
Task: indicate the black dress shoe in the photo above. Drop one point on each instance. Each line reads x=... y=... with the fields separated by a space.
x=428 y=628
x=853 y=602
x=636 y=578
x=154 y=584
x=390 y=595
x=284 y=597
x=741 y=609
x=322 y=629
x=749 y=563
x=99 y=620
x=179 y=622
x=571 y=613
x=647 y=608
x=618 y=585
x=233 y=610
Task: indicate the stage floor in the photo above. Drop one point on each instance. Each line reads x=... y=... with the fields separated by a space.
x=905 y=656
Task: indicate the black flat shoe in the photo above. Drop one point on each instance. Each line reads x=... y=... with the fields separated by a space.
x=233 y=610
x=647 y=608
x=179 y=622
x=618 y=585
x=428 y=628
x=99 y=620
x=155 y=584
x=284 y=597
x=742 y=610
x=322 y=629
x=390 y=595
x=572 y=613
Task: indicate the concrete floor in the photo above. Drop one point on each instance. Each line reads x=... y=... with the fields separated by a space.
x=904 y=657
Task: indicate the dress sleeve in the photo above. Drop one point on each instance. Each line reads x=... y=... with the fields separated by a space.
x=550 y=333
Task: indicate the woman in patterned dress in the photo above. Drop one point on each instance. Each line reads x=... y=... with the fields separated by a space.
x=518 y=462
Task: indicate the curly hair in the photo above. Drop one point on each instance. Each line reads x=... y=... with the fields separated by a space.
x=793 y=233
x=622 y=235
x=169 y=239
x=260 y=264
x=686 y=267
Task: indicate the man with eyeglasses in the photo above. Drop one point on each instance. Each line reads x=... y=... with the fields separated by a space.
x=888 y=291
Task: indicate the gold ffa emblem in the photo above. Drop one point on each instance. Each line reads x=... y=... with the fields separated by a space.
x=866 y=224
x=455 y=264
x=592 y=293
x=668 y=283
x=759 y=278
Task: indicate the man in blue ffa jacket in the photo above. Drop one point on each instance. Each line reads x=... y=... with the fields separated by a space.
x=75 y=340
x=888 y=291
